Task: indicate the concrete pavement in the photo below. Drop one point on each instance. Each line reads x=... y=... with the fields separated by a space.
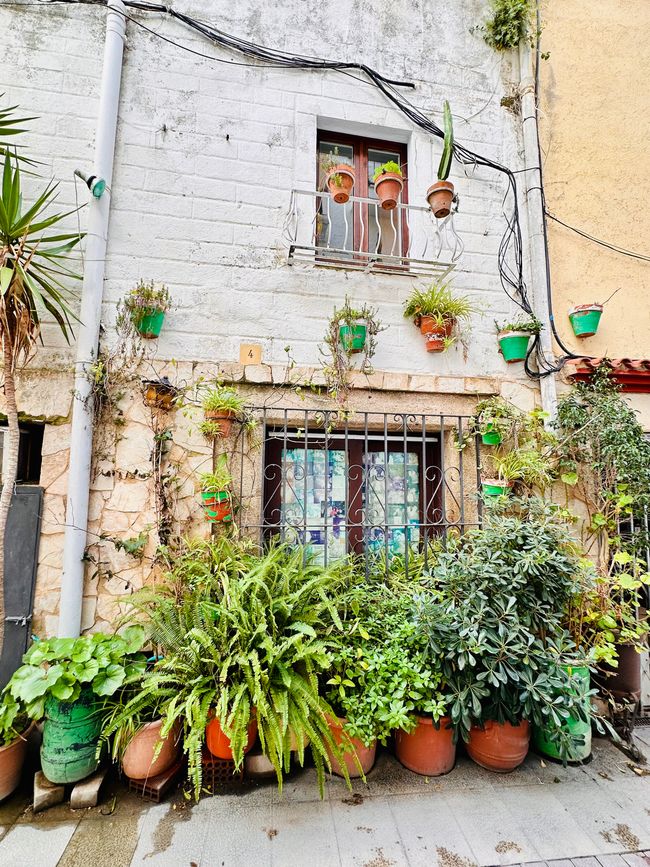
x=470 y=818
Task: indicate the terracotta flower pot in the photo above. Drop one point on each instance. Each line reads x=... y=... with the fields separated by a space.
x=585 y=319
x=138 y=761
x=219 y=744
x=340 y=182
x=495 y=487
x=224 y=418
x=365 y=755
x=389 y=188
x=159 y=395
x=12 y=758
x=429 y=325
x=427 y=750
x=440 y=196
x=499 y=747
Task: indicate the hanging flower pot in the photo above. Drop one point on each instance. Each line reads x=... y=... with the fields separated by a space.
x=494 y=487
x=427 y=750
x=224 y=418
x=389 y=188
x=146 y=306
x=340 y=182
x=585 y=319
x=217 y=506
x=365 y=755
x=437 y=334
x=499 y=747
x=440 y=197
x=491 y=436
x=353 y=337
x=159 y=393
x=12 y=759
x=541 y=735
x=513 y=345
x=151 y=323
x=138 y=762
x=218 y=743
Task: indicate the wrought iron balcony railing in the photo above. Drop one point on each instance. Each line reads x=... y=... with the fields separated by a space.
x=361 y=235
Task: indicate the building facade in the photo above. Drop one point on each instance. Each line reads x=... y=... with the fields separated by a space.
x=218 y=192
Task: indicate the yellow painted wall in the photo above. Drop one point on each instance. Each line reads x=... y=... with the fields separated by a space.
x=595 y=135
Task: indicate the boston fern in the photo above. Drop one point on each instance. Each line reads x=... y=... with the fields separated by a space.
x=246 y=635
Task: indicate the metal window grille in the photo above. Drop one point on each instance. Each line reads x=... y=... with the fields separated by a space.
x=379 y=485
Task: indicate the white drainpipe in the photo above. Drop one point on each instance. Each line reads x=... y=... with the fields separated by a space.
x=535 y=220
x=81 y=435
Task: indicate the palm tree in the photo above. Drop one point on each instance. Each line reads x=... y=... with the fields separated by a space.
x=33 y=277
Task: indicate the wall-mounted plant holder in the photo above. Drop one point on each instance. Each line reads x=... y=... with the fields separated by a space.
x=585 y=319
x=340 y=182
x=353 y=337
x=159 y=393
x=217 y=506
x=513 y=345
x=491 y=436
x=494 y=488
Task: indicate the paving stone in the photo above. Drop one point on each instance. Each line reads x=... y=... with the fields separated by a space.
x=611 y=861
x=46 y=794
x=28 y=846
x=86 y=792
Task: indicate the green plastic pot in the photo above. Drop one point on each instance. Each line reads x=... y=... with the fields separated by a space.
x=70 y=734
x=151 y=322
x=491 y=437
x=541 y=738
x=585 y=319
x=353 y=337
x=494 y=488
x=514 y=345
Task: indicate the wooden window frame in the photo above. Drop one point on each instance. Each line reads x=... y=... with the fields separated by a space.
x=360 y=146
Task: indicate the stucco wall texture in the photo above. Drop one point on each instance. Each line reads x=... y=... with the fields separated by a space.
x=595 y=128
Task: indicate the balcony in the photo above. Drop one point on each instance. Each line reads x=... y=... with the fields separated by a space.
x=361 y=236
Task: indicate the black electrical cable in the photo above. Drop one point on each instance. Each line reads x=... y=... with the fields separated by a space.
x=615 y=248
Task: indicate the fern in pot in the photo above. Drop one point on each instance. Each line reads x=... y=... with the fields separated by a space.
x=244 y=638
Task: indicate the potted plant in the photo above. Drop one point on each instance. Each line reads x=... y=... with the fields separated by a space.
x=514 y=336
x=244 y=638
x=585 y=319
x=159 y=393
x=15 y=728
x=215 y=494
x=495 y=420
x=441 y=194
x=135 y=737
x=222 y=406
x=147 y=305
x=496 y=622
x=388 y=183
x=439 y=314
x=63 y=681
x=525 y=467
x=339 y=177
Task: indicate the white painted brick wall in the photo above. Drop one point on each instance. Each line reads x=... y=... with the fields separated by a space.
x=204 y=213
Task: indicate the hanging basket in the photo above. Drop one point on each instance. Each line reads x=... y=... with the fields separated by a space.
x=585 y=319
x=159 y=394
x=340 y=183
x=513 y=345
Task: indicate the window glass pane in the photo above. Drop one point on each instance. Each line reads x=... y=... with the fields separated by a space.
x=391 y=496
x=334 y=223
x=384 y=227
x=314 y=510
